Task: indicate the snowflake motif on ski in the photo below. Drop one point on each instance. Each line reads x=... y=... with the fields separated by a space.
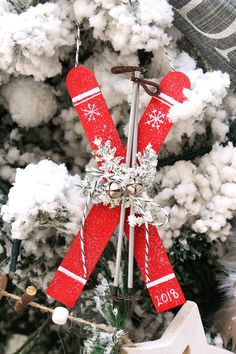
x=91 y=112
x=155 y=118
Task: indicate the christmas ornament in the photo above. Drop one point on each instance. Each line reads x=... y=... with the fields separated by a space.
x=185 y=335
x=102 y=220
x=60 y=315
x=113 y=184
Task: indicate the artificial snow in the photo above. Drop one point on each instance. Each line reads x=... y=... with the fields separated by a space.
x=201 y=195
x=34 y=41
x=30 y=103
x=45 y=203
x=127 y=28
x=43 y=188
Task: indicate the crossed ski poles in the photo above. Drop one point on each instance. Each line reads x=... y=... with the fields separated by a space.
x=101 y=221
x=131 y=153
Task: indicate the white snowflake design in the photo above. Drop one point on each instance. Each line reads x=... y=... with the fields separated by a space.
x=91 y=112
x=155 y=118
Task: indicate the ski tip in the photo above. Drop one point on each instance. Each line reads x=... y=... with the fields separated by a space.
x=80 y=79
x=173 y=85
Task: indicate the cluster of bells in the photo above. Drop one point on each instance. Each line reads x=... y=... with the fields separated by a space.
x=117 y=189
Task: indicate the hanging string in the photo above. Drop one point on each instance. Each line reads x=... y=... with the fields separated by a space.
x=84 y=216
x=78 y=42
x=169 y=59
x=85 y=213
x=146 y=252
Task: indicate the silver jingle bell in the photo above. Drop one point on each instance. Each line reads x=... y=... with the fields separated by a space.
x=133 y=188
x=114 y=190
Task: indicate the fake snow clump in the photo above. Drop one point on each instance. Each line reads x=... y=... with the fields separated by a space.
x=204 y=91
x=200 y=196
x=44 y=192
x=30 y=103
x=128 y=28
x=203 y=108
x=33 y=42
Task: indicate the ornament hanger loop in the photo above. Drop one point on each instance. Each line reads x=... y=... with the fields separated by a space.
x=145 y=84
x=78 y=42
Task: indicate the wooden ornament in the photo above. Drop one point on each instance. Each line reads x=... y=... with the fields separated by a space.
x=26 y=298
x=3 y=283
x=101 y=221
x=185 y=335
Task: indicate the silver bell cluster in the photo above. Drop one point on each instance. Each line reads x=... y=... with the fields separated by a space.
x=113 y=182
x=118 y=190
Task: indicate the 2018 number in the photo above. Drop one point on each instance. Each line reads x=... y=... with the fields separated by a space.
x=165 y=297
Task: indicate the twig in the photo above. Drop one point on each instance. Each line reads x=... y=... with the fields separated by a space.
x=190 y=155
x=3 y=283
x=77 y=320
x=25 y=299
x=61 y=341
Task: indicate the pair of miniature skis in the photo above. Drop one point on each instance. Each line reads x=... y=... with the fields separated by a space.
x=101 y=222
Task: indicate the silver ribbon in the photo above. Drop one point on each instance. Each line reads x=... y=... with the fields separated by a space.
x=139 y=201
x=139 y=204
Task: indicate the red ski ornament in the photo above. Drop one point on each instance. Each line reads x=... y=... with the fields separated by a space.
x=101 y=222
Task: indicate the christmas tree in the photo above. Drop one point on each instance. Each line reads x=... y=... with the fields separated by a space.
x=45 y=155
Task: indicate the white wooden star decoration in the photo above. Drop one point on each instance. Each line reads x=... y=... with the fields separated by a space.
x=185 y=335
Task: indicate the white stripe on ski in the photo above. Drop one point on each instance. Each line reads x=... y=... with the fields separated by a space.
x=163 y=101
x=86 y=94
x=168 y=98
x=87 y=99
x=161 y=280
x=72 y=275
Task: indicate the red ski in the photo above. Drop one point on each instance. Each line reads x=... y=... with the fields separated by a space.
x=102 y=221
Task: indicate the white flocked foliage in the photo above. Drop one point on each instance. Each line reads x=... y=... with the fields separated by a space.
x=41 y=36
x=34 y=41
x=127 y=28
x=44 y=188
x=45 y=203
x=32 y=112
x=200 y=195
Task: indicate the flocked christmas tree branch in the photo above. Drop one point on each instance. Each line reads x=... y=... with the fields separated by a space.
x=80 y=321
x=188 y=156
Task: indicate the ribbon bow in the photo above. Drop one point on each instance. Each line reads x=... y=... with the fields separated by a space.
x=102 y=220
x=127 y=185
